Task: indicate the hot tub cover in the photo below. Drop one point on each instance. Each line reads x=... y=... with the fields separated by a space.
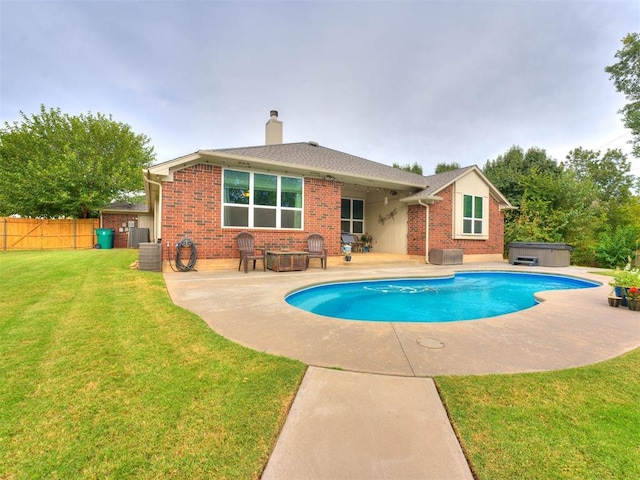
x=541 y=245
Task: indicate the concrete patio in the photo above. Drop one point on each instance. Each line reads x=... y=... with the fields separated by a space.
x=569 y=328
x=374 y=412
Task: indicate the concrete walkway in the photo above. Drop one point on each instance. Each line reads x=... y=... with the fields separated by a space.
x=346 y=425
x=377 y=424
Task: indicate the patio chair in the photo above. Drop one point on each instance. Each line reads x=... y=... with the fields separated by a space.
x=347 y=238
x=315 y=249
x=357 y=245
x=249 y=252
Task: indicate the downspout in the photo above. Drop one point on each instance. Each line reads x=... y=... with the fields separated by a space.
x=426 y=232
x=157 y=213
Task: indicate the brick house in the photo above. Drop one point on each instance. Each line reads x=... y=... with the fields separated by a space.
x=281 y=193
x=123 y=218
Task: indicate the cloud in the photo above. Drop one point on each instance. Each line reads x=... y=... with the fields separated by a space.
x=391 y=81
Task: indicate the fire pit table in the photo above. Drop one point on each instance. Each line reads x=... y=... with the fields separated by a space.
x=286 y=260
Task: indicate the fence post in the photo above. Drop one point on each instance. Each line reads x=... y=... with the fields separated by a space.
x=4 y=236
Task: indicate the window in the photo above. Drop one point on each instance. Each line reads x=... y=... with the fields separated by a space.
x=472 y=215
x=260 y=200
x=352 y=215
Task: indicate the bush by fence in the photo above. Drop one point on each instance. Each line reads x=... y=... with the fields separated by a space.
x=47 y=234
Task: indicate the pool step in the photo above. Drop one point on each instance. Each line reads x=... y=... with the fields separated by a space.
x=521 y=260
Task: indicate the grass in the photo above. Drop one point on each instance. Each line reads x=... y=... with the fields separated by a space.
x=101 y=376
x=581 y=423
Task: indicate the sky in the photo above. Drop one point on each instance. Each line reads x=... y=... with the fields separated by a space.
x=391 y=81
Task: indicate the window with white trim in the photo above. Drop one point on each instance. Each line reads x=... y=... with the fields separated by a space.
x=261 y=200
x=352 y=215
x=472 y=215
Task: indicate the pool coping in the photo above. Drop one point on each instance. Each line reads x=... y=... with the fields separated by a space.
x=569 y=328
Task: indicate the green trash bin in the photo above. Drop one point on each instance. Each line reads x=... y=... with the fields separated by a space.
x=105 y=237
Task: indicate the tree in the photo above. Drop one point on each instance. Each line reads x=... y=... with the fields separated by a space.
x=447 y=167
x=508 y=171
x=610 y=175
x=558 y=208
x=617 y=245
x=626 y=77
x=609 y=172
x=54 y=164
x=415 y=168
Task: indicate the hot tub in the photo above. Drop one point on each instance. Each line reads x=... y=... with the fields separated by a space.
x=543 y=254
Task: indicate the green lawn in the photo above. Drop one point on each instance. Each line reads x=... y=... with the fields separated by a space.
x=101 y=376
x=580 y=424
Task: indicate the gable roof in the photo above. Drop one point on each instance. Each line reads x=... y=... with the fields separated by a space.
x=312 y=155
x=311 y=159
x=440 y=181
x=307 y=158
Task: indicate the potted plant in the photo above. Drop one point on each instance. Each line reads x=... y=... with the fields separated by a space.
x=633 y=298
x=623 y=279
x=366 y=239
x=614 y=300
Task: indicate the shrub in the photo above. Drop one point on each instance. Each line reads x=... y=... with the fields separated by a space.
x=615 y=248
x=626 y=277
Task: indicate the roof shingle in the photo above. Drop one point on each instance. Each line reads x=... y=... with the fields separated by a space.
x=316 y=157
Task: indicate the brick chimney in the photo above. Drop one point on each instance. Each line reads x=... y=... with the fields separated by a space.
x=273 y=130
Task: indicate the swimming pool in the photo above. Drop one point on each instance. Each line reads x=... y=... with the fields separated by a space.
x=465 y=296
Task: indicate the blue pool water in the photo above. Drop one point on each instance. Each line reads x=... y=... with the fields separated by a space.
x=466 y=296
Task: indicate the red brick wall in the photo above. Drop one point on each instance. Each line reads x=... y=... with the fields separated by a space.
x=191 y=206
x=115 y=221
x=441 y=228
x=416 y=230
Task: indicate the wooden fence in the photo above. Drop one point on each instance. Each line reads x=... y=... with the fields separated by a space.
x=47 y=234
